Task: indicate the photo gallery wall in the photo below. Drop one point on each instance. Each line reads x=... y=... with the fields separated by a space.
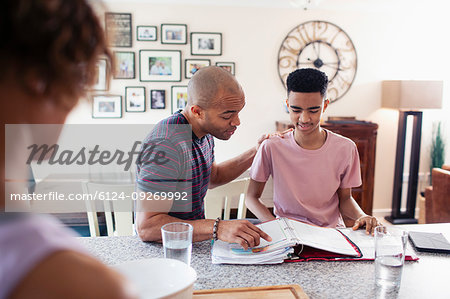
x=155 y=64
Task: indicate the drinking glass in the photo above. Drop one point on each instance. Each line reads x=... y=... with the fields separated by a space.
x=177 y=241
x=390 y=246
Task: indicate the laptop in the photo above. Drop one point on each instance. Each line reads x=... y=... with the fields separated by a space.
x=429 y=242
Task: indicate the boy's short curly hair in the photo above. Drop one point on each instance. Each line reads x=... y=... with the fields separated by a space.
x=57 y=42
x=307 y=80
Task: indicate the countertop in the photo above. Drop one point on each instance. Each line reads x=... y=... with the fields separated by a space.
x=426 y=278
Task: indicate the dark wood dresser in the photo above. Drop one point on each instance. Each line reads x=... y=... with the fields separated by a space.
x=364 y=134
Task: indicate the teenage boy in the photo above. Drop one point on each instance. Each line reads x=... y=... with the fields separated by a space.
x=313 y=169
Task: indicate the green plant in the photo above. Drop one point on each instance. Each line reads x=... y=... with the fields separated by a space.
x=437 y=148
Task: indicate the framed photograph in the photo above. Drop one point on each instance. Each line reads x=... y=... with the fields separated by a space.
x=173 y=34
x=118 y=29
x=124 y=65
x=158 y=99
x=193 y=65
x=101 y=75
x=229 y=66
x=106 y=106
x=135 y=99
x=203 y=43
x=160 y=65
x=179 y=97
x=146 y=33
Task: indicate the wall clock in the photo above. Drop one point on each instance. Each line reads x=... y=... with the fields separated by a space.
x=324 y=46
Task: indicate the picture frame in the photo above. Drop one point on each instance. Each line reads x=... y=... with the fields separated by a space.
x=193 y=65
x=106 y=106
x=174 y=34
x=179 y=97
x=146 y=33
x=206 y=43
x=118 y=29
x=101 y=75
x=135 y=99
x=160 y=65
x=124 y=67
x=158 y=99
x=229 y=66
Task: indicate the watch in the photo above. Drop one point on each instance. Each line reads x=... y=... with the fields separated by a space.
x=324 y=46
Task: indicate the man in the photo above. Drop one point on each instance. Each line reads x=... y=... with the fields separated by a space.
x=215 y=99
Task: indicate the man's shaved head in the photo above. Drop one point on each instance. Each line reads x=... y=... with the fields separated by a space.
x=208 y=84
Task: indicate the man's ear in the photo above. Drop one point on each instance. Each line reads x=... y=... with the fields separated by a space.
x=325 y=105
x=197 y=111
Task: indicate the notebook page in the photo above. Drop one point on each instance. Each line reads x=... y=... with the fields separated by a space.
x=275 y=229
x=323 y=238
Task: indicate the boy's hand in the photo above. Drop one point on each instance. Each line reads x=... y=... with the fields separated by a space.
x=242 y=232
x=369 y=222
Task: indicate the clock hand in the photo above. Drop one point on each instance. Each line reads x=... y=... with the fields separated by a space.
x=317 y=51
x=333 y=67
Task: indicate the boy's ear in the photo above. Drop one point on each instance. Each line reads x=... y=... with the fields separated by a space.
x=287 y=103
x=325 y=104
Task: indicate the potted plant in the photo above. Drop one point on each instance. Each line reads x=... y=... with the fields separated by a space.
x=437 y=149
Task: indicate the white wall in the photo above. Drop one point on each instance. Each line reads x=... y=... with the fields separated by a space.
x=396 y=42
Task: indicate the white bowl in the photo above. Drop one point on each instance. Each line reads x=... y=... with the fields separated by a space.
x=160 y=278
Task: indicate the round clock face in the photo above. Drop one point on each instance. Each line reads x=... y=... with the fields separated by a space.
x=324 y=46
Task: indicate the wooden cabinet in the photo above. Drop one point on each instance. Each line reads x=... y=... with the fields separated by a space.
x=364 y=134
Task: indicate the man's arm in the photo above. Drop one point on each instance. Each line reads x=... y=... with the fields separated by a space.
x=350 y=208
x=227 y=171
x=253 y=203
x=233 y=231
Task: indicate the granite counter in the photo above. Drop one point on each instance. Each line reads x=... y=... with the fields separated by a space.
x=426 y=278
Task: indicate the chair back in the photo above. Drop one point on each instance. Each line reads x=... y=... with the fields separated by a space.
x=218 y=201
x=120 y=209
x=437 y=198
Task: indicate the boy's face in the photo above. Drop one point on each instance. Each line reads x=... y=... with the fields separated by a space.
x=305 y=110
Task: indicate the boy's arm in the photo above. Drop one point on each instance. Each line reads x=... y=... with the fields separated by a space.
x=253 y=203
x=350 y=208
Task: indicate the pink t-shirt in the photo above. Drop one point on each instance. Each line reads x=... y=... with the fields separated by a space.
x=305 y=182
x=25 y=241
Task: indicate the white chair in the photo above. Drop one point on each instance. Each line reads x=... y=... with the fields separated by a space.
x=122 y=207
x=218 y=201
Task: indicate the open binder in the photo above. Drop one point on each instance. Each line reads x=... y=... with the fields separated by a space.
x=295 y=241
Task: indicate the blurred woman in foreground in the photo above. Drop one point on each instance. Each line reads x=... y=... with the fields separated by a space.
x=48 y=54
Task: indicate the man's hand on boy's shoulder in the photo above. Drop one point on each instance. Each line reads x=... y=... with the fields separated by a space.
x=267 y=136
x=370 y=222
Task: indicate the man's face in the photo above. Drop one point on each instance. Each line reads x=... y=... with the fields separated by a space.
x=305 y=110
x=222 y=119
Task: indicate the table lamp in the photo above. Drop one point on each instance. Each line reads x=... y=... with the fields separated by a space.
x=410 y=97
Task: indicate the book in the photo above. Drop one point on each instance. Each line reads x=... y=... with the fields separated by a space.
x=286 y=234
x=295 y=241
x=429 y=242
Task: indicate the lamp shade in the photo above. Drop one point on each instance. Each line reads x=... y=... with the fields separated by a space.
x=412 y=94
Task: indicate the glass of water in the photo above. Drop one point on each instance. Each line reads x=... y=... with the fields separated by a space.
x=390 y=246
x=177 y=241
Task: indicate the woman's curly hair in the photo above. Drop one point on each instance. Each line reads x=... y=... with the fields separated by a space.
x=57 y=42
